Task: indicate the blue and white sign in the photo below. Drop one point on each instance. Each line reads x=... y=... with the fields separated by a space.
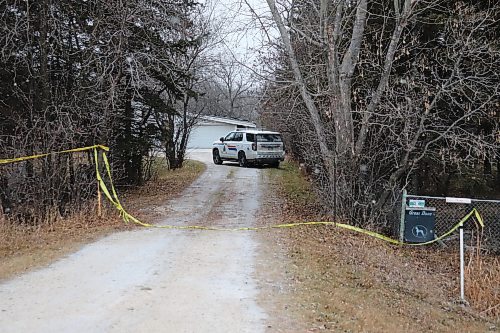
x=416 y=203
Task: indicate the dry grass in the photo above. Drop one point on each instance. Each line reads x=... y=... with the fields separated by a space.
x=483 y=283
x=26 y=247
x=300 y=201
x=169 y=184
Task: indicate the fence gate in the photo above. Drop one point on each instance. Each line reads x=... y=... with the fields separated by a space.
x=449 y=211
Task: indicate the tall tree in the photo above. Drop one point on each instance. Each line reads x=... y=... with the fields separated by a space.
x=77 y=73
x=385 y=86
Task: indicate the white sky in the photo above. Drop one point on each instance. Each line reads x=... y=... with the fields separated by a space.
x=243 y=35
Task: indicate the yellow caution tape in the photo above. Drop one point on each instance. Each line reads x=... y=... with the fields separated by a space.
x=473 y=212
x=32 y=157
x=127 y=217
x=114 y=200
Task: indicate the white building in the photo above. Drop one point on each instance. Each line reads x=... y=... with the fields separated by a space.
x=211 y=128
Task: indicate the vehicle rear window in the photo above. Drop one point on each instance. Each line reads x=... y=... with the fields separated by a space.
x=268 y=138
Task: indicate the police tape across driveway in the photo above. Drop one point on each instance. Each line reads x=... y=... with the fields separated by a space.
x=112 y=196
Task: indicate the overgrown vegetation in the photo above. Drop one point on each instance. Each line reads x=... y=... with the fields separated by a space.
x=77 y=73
x=376 y=96
x=341 y=276
x=297 y=188
x=483 y=281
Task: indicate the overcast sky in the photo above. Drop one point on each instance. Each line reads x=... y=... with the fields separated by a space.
x=242 y=32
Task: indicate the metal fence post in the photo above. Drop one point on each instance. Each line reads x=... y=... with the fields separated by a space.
x=462 y=264
x=402 y=220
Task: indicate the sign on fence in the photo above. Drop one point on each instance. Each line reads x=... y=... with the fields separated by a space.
x=416 y=203
x=450 y=210
x=458 y=200
x=419 y=224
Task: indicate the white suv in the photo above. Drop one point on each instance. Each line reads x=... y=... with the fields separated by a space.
x=250 y=146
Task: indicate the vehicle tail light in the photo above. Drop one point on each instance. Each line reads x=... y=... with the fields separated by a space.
x=254 y=146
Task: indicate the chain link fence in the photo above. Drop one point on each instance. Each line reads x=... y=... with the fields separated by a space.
x=448 y=214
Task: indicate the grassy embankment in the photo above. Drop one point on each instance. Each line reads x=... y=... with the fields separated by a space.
x=353 y=282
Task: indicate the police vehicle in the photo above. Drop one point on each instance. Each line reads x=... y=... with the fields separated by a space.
x=250 y=147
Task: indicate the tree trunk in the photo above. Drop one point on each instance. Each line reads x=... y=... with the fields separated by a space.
x=44 y=76
x=342 y=112
x=487 y=166
x=384 y=78
x=132 y=159
x=181 y=148
x=326 y=153
x=168 y=135
x=498 y=172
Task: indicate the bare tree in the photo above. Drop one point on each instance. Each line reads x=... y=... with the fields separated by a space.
x=77 y=73
x=382 y=95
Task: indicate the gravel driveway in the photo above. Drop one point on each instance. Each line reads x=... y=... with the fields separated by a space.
x=154 y=280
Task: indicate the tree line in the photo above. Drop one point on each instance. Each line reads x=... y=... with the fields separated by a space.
x=131 y=75
x=377 y=96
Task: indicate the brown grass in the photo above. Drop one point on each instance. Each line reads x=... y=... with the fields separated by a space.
x=26 y=247
x=350 y=282
x=482 y=286
x=143 y=201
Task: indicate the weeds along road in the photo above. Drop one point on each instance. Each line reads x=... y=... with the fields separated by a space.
x=154 y=280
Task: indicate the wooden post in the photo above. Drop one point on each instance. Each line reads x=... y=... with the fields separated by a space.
x=99 y=210
x=402 y=217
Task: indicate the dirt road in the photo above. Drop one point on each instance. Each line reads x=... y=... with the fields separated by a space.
x=153 y=280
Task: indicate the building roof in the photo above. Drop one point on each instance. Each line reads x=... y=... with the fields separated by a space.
x=257 y=131
x=231 y=121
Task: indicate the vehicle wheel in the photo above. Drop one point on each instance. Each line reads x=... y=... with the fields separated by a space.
x=216 y=157
x=275 y=164
x=242 y=159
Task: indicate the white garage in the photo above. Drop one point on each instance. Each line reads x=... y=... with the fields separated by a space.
x=210 y=129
